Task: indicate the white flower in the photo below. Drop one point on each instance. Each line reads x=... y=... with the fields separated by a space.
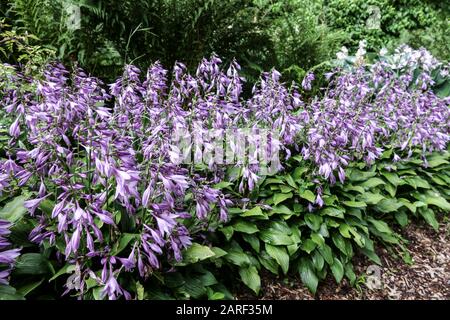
x=383 y=52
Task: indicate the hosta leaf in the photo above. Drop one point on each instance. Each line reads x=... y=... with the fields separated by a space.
x=354 y=204
x=252 y=240
x=249 y=275
x=280 y=197
x=318 y=261
x=318 y=239
x=338 y=270
x=238 y=258
x=197 y=252
x=372 y=183
x=282 y=209
x=32 y=264
x=308 y=195
x=313 y=221
x=401 y=217
x=344 y=229
x=256 y=211
x=14 y=210
x=245 y=227
x=308 y=276
x=429 y=217
x=391 y=189
x=358 y=175
x=308 y=245
x=388 y=205
x=371 y=198
x=280 y=255
x=268 y=262
x=339 y=242
x=227 y=232
x=417 y=182
x=326 y=253
x=380 y=225
x=290 y=181
x=125 y=239
x=274 y=237
x=392 y=178
x=333 y=212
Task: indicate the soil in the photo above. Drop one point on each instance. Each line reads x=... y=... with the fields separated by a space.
x=427 y=277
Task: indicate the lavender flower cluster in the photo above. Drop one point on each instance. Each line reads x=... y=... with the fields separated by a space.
x=7 y=256
x=369 y=108
x=103 y=156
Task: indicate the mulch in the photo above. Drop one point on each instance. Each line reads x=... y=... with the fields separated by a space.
x=428 y=277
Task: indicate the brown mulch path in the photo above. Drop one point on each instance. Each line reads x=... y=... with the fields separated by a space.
x=427 y=278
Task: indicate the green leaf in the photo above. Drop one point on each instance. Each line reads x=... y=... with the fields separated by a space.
x=371 y=198
x=326 y=253
x=338 y=270
x=245 y=227
x=32 y=264
x=358 y=175
x=238 y=258
x=197 y=252
x=68 y=268
x=308 y=195
x=308 y=245
x=429 y=217
x=392 y=178
x=344 y=229
x=256 y=211
x=333 y=212
x=401 y=217
x=274 y=237
x=249 y=275
x=252 y=240
x=280 y=197
x=354 y=204
x=14 y=210
x=29 y=287
x=318 y=239
x=124 y=240
x=380 y=225
x=308 y=276
x=339 y=242
x=313 y=221
x=280 y=255
x=372 y=183
x=228 y=232
x=9 y=293
x=388 y=205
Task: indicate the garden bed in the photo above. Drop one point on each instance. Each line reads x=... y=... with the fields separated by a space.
x=427 y=278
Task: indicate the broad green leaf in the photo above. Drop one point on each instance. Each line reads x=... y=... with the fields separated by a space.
x=124 y=240
x=308 y=195
x=392 y=178
x=318 y=239
x=280 y=255
x=380 y=225
x=245 y=227
x=372 y=183
x=388 y=205
x=371 y=198
x=282 y=209
x=256 y=211
x=250 y=277
x=401 y=217
x=29 y=287
x=308 y=245
x=275 y=237
x=68 y=268
x=227 y=232
x=327 y=253
x=9 y=293
x=197 y=252
x=338 y=270
x=14 y=210
x=238 y=258
x=308 y=276
x=429 y=217
x=313 y=221
x=252 y=240
x=354 y=204
x=32 y=264
x=333 y=212
x=339 y=242
x=280 y=197
x=290 y=181
x=344 y=229
x=356 y=175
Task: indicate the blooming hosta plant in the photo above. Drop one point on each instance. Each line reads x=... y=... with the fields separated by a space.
x=108 y=191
